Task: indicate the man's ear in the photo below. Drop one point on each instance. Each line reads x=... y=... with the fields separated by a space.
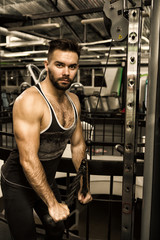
x=46 y=64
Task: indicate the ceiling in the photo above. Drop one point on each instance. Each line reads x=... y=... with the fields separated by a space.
x=26 y=27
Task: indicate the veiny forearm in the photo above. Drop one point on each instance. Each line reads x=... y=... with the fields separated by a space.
x=37 y=178
x=78 y=154
x=35 y=175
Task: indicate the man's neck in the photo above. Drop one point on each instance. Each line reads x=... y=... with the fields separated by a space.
x=51 y=91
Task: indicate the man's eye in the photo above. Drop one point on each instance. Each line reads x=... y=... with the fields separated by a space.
x=59 y=65
x=73 y=67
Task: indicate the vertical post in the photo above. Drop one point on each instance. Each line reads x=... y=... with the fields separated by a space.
x=151 y=195
x=125 y=5
x=0 y=79
x=0 y=95
x=128 y=190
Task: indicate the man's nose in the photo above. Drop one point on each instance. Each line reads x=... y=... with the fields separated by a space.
x=66 y=71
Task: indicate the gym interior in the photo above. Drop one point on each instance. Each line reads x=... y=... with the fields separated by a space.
x=117 y=85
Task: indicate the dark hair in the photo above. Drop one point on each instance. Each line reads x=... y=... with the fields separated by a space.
x=64 y=45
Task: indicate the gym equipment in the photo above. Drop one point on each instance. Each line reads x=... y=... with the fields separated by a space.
x=151 y=197
x=127 y=21
x=36 y=73
x=113 y=14
x=74 y=185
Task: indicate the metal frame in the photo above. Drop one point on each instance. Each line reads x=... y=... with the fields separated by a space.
x=65 y=14
x=128 y=190
x=151 y=194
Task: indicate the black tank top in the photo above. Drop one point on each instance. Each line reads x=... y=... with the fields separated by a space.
x=53 y=141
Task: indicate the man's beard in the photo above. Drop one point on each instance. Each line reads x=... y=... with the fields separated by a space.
x=56 y=82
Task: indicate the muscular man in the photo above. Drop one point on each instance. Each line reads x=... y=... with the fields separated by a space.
x=45 y=118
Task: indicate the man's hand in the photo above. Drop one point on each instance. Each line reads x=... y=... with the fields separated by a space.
x=59 y=212
x=86 y=199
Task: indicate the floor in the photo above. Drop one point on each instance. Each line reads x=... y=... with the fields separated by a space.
x=101 y=215
x=105 y=220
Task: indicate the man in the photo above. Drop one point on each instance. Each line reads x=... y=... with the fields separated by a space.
x=45 y=118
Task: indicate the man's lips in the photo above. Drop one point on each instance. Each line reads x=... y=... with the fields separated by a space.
x=65 y=80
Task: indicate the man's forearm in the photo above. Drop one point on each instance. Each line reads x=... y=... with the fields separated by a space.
x=36 y=177
x=78 y=154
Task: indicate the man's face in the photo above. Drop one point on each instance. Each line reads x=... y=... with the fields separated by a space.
x=62 y=69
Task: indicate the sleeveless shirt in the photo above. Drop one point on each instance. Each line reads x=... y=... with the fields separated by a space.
x=53 y=141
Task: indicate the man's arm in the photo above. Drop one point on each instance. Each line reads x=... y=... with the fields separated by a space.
x=27 y=117
x=78 y=149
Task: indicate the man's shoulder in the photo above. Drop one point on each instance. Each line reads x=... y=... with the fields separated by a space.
x=75 y=99
x=73 y=96
x=29 y=94
x=29 y=98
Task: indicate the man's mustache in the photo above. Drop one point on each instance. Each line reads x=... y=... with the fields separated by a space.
x=64 y=78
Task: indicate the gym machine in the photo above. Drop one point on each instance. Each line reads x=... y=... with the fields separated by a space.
x=151 y=195
x=126 y=19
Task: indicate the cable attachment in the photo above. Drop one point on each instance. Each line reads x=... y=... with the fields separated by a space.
x=84 y=167
x=74 y=186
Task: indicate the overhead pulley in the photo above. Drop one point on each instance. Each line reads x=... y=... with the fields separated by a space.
x=115 y=21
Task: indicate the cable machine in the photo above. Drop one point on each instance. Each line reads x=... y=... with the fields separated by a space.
x=125 y=16
x=130 y=146
x=151 y=194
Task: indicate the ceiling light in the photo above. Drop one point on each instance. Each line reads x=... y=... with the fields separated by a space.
x=26 y=43
x=16 y=54
x=19 y=54
x=39 y=59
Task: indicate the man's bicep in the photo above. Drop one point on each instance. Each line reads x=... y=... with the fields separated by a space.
x=26 y=130
x=77 y=136
x=27 y=138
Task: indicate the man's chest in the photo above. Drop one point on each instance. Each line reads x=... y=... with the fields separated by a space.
x=64 y=113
